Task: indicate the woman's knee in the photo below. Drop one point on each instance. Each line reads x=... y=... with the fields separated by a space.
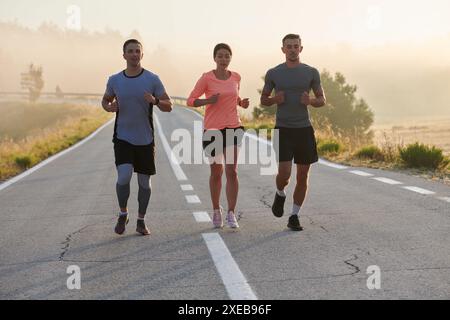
x=231 y=172
x=216 y=172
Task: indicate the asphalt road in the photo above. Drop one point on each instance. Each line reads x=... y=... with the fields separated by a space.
x=63 y=215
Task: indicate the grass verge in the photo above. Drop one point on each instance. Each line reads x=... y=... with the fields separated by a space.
x=17 y=155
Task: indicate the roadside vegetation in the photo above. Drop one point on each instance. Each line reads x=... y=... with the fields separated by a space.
x=30 y=133
x=344 y=134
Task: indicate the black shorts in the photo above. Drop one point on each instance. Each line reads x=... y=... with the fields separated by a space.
x=235 y=136
x=296 y=143
x=141 y=157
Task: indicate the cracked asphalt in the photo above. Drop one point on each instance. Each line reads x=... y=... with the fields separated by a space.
x=64 y=214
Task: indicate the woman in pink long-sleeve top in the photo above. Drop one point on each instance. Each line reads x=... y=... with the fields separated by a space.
x=223 y=130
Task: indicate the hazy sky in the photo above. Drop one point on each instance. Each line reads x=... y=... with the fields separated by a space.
x=396 y=51
x=191 y=25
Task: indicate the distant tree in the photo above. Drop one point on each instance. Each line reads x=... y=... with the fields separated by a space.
x=33 y=82
x=344 y=114
x=263 y=111
x=59 y=93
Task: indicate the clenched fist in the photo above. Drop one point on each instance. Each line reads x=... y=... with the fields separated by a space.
x=279 y=97
x=213 y=99
x=305 y=99
x=244 y=103
x=149 y=98
x=112 y=107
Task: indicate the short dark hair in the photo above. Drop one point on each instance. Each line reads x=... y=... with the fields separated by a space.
x=222 y=46
x=291 y=36
x=130 y=41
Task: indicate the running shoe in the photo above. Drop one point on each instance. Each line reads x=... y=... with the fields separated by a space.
x=122 y=221
x=217 y=218
x=278 y=205
x=142 y=228
x=231 y=219
x=294 y=223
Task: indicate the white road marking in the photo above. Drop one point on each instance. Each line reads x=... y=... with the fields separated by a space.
x=264 y=141
x=361 y=173
x=232 y=277
x=332 y=165
x=187 y=187
x=388 y=181
x=193 y=199
x=419 y=190
x=235 y=283
x=6 y=184
x=201 y=216
x=179 y=173
x=341 y=167
x=194 y=112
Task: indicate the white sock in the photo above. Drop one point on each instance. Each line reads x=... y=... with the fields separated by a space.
x=281 y=193
x=123 y=213
x=295 y=209
x=142 y=219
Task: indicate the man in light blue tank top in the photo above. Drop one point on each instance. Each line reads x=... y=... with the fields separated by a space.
x=131 y=94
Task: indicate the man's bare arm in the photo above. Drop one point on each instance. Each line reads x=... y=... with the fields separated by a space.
x=320 y=99
x=109 y=104
x=317 y=102
x=164 y=104
x=268 y=101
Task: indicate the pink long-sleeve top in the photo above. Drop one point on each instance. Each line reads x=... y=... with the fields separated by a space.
x=222 y=114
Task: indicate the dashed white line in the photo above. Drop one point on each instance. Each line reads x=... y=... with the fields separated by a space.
x=388 y=181
x=419 y=190
x=187 y=187
x=332 y=165
x=361 y=173
x=201 y=216
x=193 y=199
x=235 y=283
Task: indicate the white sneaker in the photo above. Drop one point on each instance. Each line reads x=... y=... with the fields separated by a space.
x=217 y=218
x=231 y=219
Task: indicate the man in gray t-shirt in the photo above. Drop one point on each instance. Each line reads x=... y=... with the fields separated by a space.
x=131 y=94
x=294 y=138
x=293 y=82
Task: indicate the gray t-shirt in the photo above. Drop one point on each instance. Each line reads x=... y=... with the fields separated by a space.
x=132 y=122
x=293 y=81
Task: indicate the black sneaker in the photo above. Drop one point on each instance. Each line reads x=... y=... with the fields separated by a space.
x=142 y=228
x=294 y=224
x=278 y=205
x=122 y=221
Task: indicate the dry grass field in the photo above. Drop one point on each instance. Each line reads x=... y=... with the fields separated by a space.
x=431 y=132
x=30 y=133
